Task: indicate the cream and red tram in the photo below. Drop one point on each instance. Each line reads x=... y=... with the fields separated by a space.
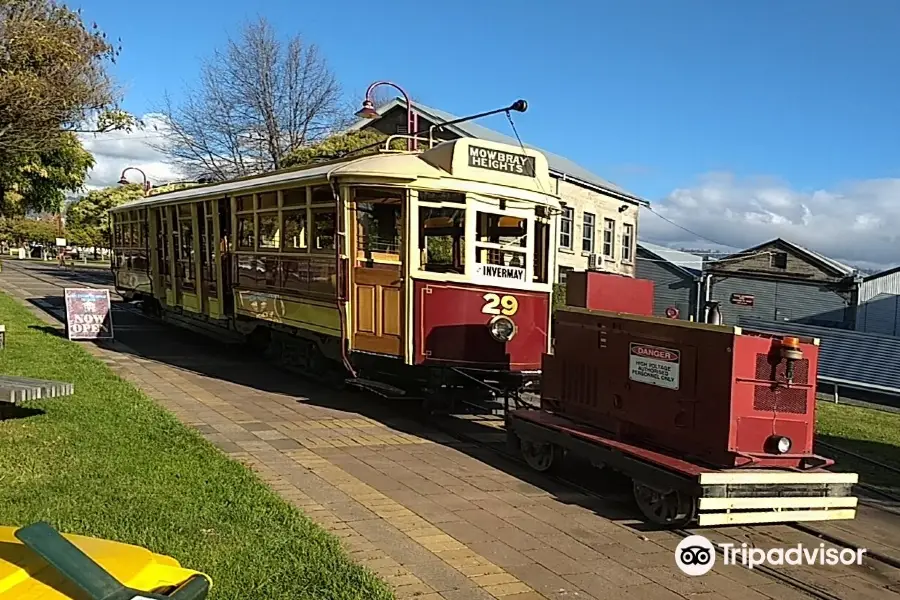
x=411 y=270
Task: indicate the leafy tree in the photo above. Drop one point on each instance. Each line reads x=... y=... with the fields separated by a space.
x=20 y=230
x=38 y=181
x=53 y=82
x=257 y=100
x=356 y=143
x=87 y=218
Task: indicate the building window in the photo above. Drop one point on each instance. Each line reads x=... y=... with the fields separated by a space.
x=587 y=233
x=778 y=260
x=563 y=273
x=609 y=237
x=565 y=228
x=627 y=242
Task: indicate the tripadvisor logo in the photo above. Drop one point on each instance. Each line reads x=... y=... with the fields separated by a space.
x=696 y=555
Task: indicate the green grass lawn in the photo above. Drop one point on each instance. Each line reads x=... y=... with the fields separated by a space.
x=870 y=433
x=108 y=462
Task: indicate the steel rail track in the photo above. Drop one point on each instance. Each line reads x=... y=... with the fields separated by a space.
x=504 y=454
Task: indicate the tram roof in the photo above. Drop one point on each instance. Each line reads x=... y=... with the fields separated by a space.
x=489 y=167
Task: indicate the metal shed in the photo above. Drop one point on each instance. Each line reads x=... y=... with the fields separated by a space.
x=879 y=303
x=782 y=281
x=677 y=277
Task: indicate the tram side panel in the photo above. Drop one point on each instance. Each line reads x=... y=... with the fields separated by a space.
x=480 y=328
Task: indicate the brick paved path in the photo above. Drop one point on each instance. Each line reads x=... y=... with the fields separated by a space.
x=413 y=505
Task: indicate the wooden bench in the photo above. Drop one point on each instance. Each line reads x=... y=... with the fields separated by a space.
x=15 y=390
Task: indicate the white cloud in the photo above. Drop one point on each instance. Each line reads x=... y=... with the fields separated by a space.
x=857 y=223
x=116 y=150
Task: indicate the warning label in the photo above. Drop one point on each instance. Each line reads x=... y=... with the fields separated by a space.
x=654 y=365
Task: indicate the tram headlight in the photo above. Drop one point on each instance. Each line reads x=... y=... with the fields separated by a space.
x=502 y=328
x=778 y=444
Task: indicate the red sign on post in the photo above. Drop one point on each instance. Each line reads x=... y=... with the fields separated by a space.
x=88 y=314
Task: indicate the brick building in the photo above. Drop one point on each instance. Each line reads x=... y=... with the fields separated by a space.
x=598 y=227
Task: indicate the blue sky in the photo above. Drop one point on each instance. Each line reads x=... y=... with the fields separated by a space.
x=651 y=94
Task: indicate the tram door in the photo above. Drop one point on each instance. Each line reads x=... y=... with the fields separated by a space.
x=224 y=207
x=163 y=254
x=378 y=294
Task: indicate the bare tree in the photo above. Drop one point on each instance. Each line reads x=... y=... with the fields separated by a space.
x=256 y=101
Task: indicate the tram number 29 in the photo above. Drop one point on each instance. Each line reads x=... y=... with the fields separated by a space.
x=494 y=304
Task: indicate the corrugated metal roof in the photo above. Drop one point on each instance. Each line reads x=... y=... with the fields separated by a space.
x=885 y=273
x=837 y=267
x=843 y=354
x=683 y=260
x=434 y=164
x=558 y=164
x=407 y=165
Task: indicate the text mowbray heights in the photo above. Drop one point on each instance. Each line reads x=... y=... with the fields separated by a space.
x=497 y=160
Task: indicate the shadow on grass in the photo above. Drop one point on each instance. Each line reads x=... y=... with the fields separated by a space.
x=877 y=463
x=9 y=412
x=48 y=329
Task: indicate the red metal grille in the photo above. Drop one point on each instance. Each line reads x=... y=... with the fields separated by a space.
x=764 y=370
x=778 y=399
x=783 y=400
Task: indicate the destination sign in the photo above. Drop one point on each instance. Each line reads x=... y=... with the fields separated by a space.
x=503 y=162
x=500 y=272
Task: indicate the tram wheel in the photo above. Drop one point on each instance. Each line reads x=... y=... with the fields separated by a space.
x=539 y=456
x=669 y=508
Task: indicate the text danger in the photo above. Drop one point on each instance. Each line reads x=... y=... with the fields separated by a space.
x=654 y=365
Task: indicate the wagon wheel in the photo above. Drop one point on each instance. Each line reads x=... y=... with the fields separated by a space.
x=539 y=456
x=670 y=508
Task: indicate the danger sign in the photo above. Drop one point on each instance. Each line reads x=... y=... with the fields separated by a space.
x=654 y=365
x=88 y=314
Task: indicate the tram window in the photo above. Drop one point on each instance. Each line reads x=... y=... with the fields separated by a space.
x=293 y=197
x=245 y=232
x=378 y=225
x=294 y=230
x=268 y=200
x=323 y=229
x=442 y=239
x=501 y=229
x=269 y=231
x=507 y=231
x=127 y=240
x=186 y=258
x=209 y=246
x=244 y=203
x=295 y=274
x=322 y=195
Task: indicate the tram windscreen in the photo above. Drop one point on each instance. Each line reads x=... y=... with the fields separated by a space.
x=442 y=239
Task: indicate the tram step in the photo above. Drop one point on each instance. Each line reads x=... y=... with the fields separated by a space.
x=382 y=389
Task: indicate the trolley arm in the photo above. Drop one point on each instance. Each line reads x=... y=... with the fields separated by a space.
x=91 y=578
